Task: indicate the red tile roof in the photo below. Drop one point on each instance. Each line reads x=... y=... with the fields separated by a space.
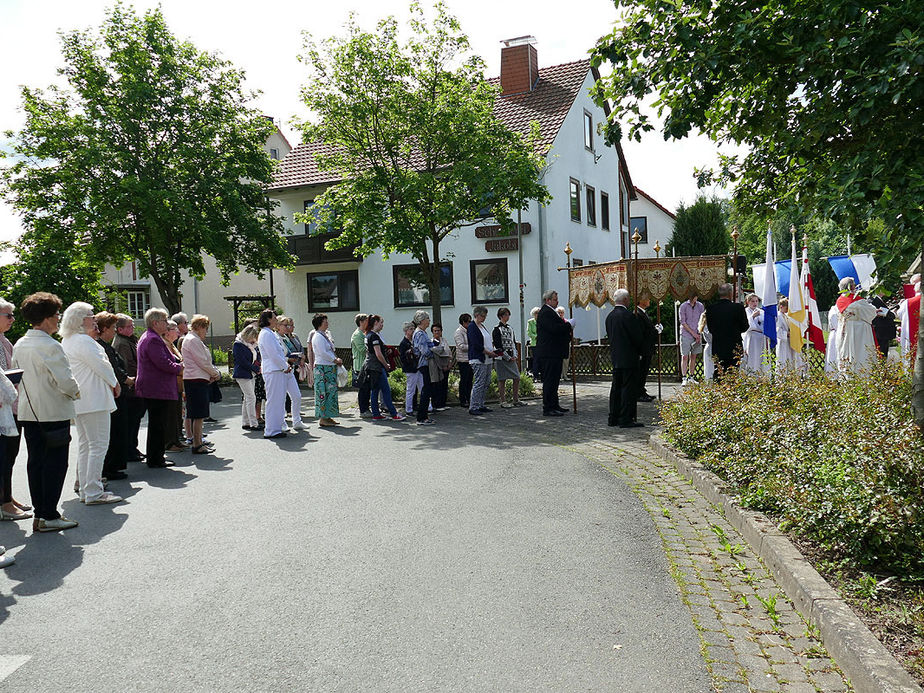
x=548 y=104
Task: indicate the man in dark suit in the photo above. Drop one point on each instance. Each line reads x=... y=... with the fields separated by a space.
x=553 y=337
x=650 y=333
x=626 y=344
x=726 y=321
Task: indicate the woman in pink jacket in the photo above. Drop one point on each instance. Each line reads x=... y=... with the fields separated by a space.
x=198 y=375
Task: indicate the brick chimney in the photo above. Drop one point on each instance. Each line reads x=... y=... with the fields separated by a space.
x=519 y=65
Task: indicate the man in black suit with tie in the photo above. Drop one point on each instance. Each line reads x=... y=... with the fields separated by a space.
x=553 y=337
x=726 y=321
x=650 y=333
x=627 y=341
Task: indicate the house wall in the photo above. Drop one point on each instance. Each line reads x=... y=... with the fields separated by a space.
x=551 y=228
x=660 y=225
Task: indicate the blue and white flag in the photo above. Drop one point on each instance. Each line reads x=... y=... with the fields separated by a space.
x=768 y=296
x=861 y=267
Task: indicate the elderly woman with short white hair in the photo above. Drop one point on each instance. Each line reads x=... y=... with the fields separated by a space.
x=98 y=390
x=423 y=350
x=156 y=383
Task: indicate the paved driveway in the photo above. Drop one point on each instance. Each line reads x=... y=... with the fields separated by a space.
x=475 y=555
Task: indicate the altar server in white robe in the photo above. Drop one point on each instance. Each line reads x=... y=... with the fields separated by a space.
x=755 y=341
x=708 y=361
x=831 y=349
x=786 y=356
x=856 y=346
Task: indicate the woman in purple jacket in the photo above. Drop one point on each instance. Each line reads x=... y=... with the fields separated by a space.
x=156 y=382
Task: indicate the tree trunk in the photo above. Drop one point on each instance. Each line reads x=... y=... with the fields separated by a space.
x=917 y=386
x=170 y=294
x=433 y=284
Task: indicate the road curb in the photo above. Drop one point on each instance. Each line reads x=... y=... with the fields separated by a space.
x=863 y=658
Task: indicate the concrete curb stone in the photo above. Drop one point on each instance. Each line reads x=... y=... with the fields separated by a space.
x=859 y=653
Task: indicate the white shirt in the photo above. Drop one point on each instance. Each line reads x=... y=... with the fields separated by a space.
x=324 y=354
x=272 y=353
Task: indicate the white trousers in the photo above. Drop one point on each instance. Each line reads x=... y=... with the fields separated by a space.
x=249 y=405
x=275 y=410
x=92 y=443
x=295 y=395
x=414 y=385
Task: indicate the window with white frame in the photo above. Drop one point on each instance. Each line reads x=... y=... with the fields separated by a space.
x=639 y=224
x=575 y=197
x=137 y=302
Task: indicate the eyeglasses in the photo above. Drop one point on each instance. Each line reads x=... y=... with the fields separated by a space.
x=6 y=315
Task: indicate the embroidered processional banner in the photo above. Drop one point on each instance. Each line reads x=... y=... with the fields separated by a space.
x=657 y=277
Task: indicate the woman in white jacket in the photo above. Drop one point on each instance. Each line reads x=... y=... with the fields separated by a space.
x=98 y=390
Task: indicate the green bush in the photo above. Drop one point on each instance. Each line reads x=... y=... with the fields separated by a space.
x=219 y=356
x=839 y=461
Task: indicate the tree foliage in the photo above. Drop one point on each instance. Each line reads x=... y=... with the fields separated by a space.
x=152 y=153
x=47 y=260
x=700 y=229
x=826 y=97
x=412 y=132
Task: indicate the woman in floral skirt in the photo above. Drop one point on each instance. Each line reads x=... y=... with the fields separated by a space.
x=326 y=403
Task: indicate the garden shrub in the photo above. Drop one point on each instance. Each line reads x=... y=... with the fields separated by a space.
x=839 y=461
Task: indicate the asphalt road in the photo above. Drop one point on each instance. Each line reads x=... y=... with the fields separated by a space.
x=377 y=557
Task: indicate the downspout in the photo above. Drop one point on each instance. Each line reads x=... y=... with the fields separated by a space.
x=543 y=268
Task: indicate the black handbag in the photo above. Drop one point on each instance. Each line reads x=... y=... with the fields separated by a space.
x=54 y=437
x=214 y=393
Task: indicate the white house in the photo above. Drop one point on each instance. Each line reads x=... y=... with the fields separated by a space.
x=653 y=221
x=205 y=296
x=589 y=182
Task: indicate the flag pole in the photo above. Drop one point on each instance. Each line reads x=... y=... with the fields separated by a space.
x=657 y=249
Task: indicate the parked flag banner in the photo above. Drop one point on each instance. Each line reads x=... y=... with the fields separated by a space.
x=798 y=322
x=815 y=335
x=861 y=267
x=768 y=295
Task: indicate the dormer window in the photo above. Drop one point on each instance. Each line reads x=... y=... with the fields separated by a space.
x=588 y=131
x=274 y=154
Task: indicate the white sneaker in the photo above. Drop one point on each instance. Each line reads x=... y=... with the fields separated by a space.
x=55 y=525
x=6 y=560
x=506 y=405
x=299 y=427
x=105 y=499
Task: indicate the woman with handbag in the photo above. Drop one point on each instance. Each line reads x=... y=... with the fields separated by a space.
x=439 y=366
x=198 y=374
x=295 y=355
x=98 y=389
x=326 y=401
x=374 y=371
x=48 y=390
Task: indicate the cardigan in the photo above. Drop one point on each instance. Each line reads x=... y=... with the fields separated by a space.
x=48 y=388
x=93 y=373
x=157 y=368
x=197 y=359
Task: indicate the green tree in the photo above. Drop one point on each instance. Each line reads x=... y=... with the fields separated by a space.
x=411 y=129
x=826 y=97
x=700 y=229
x=47 y=260
x=152 y=154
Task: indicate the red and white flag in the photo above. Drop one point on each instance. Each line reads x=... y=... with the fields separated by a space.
x=814 y=333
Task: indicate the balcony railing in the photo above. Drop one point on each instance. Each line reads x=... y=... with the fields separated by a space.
x=310 y=250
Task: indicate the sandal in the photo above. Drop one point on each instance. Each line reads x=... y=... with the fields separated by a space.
x=203 y=449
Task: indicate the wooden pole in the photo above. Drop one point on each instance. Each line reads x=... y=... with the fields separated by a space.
x=568 y=252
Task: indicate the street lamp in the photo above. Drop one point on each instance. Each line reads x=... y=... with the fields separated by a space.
x=734 y=235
